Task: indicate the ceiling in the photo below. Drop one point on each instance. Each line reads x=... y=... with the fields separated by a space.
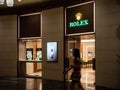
x=25 y=2
x=27 y=6
x=31 y=2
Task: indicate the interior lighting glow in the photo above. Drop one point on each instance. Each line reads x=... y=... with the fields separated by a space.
x=10 y=3
x=90 y=40
x=1 y=2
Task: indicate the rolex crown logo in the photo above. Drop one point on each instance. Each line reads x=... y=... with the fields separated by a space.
x=78 y=16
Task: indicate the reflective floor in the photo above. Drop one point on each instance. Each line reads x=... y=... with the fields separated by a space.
x=88 y=80
x=20 y=84
x=29 y=84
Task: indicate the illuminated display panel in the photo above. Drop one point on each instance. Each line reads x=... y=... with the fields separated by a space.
x=80 y=18
x=52 y=55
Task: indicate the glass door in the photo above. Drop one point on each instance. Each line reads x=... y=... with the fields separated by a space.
x=86 y=45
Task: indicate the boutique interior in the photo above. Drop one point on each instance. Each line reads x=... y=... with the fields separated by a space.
x=86 y=45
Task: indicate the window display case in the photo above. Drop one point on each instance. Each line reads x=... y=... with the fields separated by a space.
x=30 y=57
x=29 y=45
x=30 y=50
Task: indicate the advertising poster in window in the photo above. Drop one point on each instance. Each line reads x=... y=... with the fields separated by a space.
x=52 y=52
x=29 y=54
x=39 y=54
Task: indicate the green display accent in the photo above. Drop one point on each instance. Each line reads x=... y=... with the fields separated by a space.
x=78 y=23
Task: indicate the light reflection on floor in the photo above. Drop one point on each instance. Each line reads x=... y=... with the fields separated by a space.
x=33 y=84
x=88 y=78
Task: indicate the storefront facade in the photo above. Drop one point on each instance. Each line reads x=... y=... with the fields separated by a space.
x=53 y=30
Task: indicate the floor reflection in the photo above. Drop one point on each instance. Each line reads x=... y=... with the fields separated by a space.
x=30 y=84
x=88 y=80
x=20 y=84
x=33 y=84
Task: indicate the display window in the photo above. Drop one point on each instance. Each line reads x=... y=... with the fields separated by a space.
x=30 y=57
x=30 y=50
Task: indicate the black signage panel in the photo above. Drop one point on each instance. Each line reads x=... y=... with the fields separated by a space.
x=80 y=18
x=30 y=26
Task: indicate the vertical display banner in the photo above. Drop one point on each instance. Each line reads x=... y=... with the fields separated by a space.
x=52 y=54
x=39 y=54
x=29 y=54
x=79 y=19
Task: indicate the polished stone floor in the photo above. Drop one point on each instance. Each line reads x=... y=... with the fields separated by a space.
x=88 y=79
x=29 y=84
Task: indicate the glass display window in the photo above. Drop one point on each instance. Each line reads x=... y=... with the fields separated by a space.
x=30 y=50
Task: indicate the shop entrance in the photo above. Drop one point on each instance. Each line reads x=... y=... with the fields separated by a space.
x=86 y=45
x=30 y=58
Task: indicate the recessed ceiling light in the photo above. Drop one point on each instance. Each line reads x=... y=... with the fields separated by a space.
x=19 y=0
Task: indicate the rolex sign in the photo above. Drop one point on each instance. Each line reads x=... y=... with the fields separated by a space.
x=80 y=18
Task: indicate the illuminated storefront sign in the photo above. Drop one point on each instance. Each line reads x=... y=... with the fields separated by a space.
x=80 y=18
x=79 y=22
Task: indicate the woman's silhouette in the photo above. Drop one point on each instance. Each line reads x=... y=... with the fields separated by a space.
x=76 y=74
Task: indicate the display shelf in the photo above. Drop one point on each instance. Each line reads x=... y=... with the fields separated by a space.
x=30 y=61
